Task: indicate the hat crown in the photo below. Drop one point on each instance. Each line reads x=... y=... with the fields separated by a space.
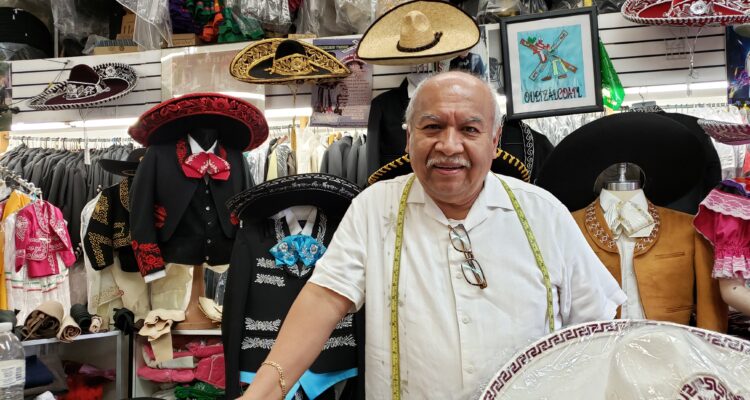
x=83 y=73
x=291 y=59
x=83 y=82
x=416 y=31
x=136 y=155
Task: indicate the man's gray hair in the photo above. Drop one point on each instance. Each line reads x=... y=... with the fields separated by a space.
x=498 y=117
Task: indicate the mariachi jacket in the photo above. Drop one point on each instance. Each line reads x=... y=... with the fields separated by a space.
x=108 y=231
x=258 y=297
x=162 y=195
x=42 y=235
x=672 y=267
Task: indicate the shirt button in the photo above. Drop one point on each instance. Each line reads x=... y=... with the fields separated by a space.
x=465 y=320
x=207 y=258
x=208 y=241
x=458 y=275
x=469 y=369
x=208 y=208
x=206 y=191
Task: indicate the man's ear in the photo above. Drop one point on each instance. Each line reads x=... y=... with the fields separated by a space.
x=496 y=139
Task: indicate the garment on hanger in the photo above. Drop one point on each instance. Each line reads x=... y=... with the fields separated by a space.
x=672 y=265
x=526 y=144
x=42 y=242
x=386 y=136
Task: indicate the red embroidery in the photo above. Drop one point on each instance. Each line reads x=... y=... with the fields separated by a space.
x=233 y=219
x=205 y=104
x=198 y=165
x=148 y=257
x=182 y=150
x=160 y=216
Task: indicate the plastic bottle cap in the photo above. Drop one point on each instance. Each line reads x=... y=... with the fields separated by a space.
x=6 y=326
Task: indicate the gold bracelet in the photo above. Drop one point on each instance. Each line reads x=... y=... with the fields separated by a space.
x=280 y=370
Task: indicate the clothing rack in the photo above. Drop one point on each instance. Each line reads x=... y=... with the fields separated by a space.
x=65 y=143
x=26 y=185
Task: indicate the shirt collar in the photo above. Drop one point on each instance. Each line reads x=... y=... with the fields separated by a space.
x=492 y=196
x=195 y=148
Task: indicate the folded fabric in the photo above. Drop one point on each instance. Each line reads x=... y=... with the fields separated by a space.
x=69 y=330
x=184 y=360
x=124 y=320
x=199 y=391
x=96 y=324
x=81 y=315
x=211 y=370
x=92 y=375
x=44 y=321
x=210 y=309
x=37 y=374
x=46 y=395
x=79 y=388
x=200 y=349
x=159 y=322
x=58 y=385
x=8 y=316
x=166 y=375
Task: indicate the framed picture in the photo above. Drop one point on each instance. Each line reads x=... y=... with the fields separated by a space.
x=551 y=63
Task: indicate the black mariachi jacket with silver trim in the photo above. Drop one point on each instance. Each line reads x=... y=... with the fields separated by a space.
x=161 y=198
x=259 y=295
x=108 y=232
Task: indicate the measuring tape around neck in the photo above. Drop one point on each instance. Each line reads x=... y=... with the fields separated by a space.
x=395 y=345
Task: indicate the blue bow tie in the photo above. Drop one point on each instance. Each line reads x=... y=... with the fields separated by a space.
x=297 y=247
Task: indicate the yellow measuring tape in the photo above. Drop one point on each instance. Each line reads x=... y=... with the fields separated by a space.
x=395 y=350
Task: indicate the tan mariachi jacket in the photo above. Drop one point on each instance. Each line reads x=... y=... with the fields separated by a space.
x=672 y=267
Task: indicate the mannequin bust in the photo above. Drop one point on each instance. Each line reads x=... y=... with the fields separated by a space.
x=205 y=136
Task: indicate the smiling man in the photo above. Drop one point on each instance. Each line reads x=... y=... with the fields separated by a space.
x=470 y=290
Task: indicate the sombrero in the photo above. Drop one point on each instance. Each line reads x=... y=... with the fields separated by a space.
x=87 y=87
x=276 y=61
x=669 y=154
x=687 y=12
x=418 y=32
x=124 y=168
x=331 y=193
x=626 y=359
x=726 y=132
x=503 y=164
x=240 y=124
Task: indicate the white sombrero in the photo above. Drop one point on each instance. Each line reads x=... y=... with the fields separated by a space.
x=418 y=32
x=687 y=12
x=726 y=132
x=627 y=359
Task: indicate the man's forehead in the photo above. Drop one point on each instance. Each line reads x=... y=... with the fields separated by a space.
x=464 y=116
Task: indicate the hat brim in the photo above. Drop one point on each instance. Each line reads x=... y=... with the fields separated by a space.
x=669 y=154
x=240 y=124
x=118 y=167
x=652 y=12
x=330 y=193
x=726 y=132
x=253 y=63
x=504 y=164
x=585 y=351
x=459 y=34
x=53 y=98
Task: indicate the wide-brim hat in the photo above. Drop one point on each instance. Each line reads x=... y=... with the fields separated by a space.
x=87 y=87
x=687 y=12
x=671 y=157
x=281 y=61
x=726 y=132
x=124 y=168
x=418 y=32
x=626 y=359
x=330 y=193
x=503 y=164
x=241 y=125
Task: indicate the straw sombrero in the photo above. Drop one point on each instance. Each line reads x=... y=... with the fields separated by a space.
x=418 y=32
x=87 y=87
x=503 y=164
x=687 y=12
x=280 y=61
x=726 y=132
x=626 y=359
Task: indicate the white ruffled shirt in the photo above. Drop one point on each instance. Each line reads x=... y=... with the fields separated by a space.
x=628 y=220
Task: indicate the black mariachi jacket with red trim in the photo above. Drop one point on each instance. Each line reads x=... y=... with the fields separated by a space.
x=165 y=219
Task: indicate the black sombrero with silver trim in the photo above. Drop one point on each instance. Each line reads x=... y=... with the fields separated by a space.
x=87 y=87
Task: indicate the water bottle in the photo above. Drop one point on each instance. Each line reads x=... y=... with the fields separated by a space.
x=12 y=364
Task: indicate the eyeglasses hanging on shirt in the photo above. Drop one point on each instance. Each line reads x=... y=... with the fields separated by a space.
x=471 y=268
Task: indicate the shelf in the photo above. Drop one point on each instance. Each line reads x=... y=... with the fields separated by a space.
x=87 y=336
x=197 y=332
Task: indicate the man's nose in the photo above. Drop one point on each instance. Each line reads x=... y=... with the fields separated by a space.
x=450 y=142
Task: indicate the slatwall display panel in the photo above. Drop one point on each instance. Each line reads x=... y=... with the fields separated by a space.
x=31 y=77
x=646 y=55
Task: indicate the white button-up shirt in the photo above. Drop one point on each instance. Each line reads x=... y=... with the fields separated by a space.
x=622 y=217
x=454 y=336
